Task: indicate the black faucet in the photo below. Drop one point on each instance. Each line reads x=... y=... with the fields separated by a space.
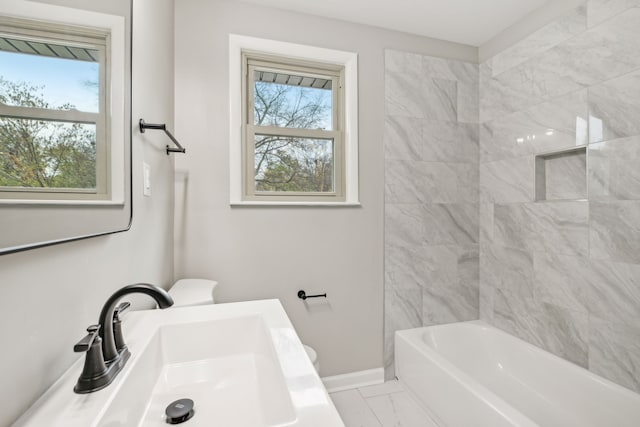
x=104 y=358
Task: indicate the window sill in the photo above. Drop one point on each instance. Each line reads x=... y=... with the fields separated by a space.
x=307 y=204
x=53 y=202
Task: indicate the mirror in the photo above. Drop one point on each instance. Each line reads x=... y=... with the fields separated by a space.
x=65 y=121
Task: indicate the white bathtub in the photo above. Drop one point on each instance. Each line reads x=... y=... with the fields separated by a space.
x=470 y=374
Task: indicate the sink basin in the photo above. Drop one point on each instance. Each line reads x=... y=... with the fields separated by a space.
x=242 y=364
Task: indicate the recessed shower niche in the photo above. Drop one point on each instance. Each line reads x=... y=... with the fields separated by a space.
x=562 y=175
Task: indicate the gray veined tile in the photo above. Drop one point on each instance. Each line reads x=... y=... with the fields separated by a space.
x=469 y=264
x=554 y=125
x=402 y=310
x=564 y=333
x=468 y=102
x=406 y=267
x=558 y=330
x=447 y=69
x=508 y=181
x=408 y=181
x=452 y=223
x=614 y=352
x=613 y=170
x=561 y=227
x=514 y=226
x=387 y=387
x=615 y=231
x=467 y=179
x=353 y=409
x=403 y=96
x=403 y=138
x=446 y=141
x=442 y=182
x=441 y=264
x=399 y=410
x=500 y=97
x=515 y=315
x=486 y=302
x=599 y=11
x=614 y=108
x=449 y=302
x=403 y=62
x=404 y=225
x=563 y=28
x=507 y=269
x=405 y=182
x=613 y=290
x=560 y=280
x=604 y=52
x=486 y=222
x=440 y=99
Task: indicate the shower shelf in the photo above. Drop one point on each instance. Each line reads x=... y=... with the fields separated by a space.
x=562 y=175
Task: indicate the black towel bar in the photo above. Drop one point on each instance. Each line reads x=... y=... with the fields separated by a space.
x=144 y=126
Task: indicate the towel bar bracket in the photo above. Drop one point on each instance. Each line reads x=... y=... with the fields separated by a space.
x=144 y=126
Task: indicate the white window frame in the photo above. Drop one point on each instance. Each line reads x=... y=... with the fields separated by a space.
x=349 y=132
x=68 y=27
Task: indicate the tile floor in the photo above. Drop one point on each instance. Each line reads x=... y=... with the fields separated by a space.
x=384 y=405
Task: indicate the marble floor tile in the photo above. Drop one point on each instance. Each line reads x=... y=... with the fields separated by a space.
x=384 y=388
x=353 y=409
x=382 y=405
x=399 y=410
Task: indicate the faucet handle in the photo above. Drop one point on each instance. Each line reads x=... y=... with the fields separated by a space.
x=120 y=309
x=85 y=343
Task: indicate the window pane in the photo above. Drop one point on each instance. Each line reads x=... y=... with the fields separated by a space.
x=47 y=154
x=293 y=164
x=288 y=100
x=45 y=75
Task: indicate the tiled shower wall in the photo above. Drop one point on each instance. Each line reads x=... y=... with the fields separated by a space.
x=431 y=193
x=565 y=274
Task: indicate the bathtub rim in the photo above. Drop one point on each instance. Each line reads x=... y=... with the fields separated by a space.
x=414 y=338
x=466 y=381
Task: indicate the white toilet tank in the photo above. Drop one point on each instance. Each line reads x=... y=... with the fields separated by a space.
x=190 y=292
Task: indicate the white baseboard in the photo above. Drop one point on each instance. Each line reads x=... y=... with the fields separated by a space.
x=354 y=380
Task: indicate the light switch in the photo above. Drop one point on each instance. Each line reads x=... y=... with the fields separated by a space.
x=146 y=190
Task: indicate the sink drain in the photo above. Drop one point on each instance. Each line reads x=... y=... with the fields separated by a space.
x=179 y=411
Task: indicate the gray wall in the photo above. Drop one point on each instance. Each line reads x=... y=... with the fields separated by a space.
x=565 y=274
x=273 y=252
x=431 y=193
x=49 y=296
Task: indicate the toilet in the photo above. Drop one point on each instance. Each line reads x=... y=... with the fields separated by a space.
x=192 y=292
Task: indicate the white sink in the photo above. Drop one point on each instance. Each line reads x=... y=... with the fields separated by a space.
x=242 y=364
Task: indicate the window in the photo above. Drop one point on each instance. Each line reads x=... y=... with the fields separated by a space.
x=297 y=118
x=54 y=127
x=293 y=132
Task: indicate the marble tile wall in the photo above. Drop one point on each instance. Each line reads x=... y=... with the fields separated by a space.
x=431 y=193
x=565 y=274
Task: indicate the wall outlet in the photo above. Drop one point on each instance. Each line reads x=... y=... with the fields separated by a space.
x=146 y=181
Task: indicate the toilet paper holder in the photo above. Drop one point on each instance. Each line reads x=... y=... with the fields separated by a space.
x=303 y=295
